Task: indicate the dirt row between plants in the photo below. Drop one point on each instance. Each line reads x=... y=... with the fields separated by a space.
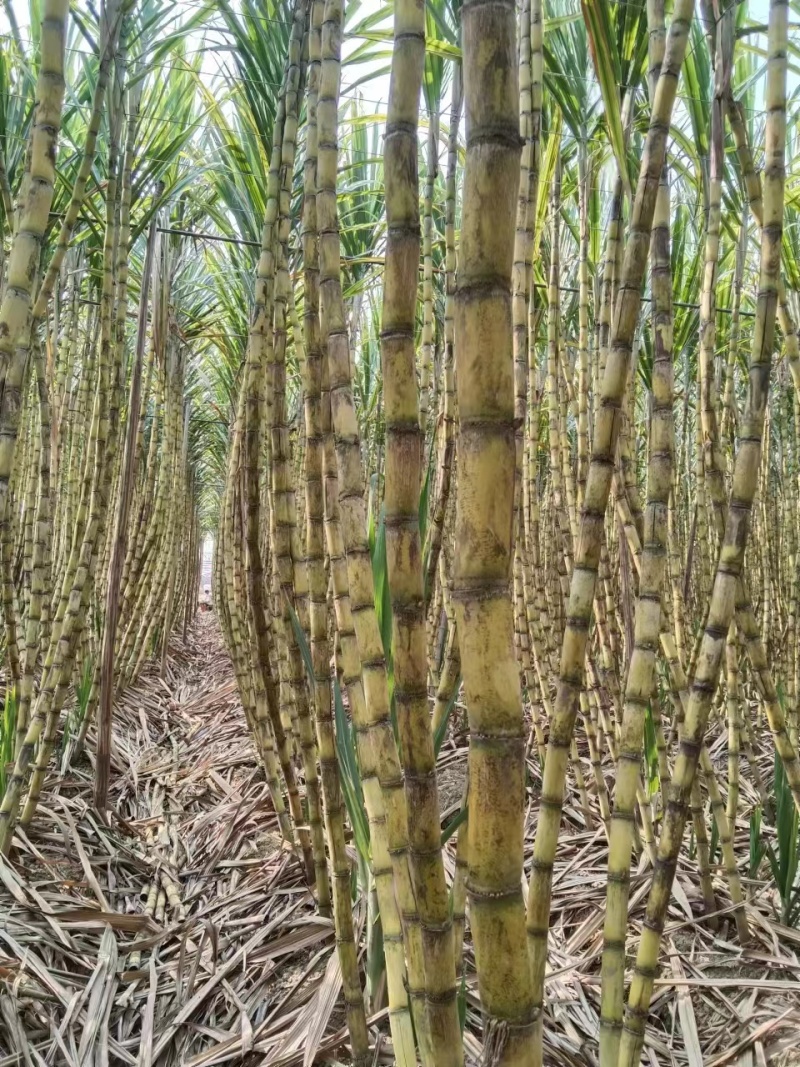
x=181 y=932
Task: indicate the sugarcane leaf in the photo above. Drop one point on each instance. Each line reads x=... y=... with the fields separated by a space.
x=557 y=22
x=349 y=773
x=756 y=843
x=374 y=18
x=550 y=156
x=714 y=841
x=371 y=529
x=445 y=16
x=651 y=752
x=441 y=730
x=442 y=49
x=376 y=960
x=302 y=644
x=424 y=498
x=774 y=864
x=8 y=725
x=605 y=56
x=456 y=821
x=433 y=46
x=380 y=577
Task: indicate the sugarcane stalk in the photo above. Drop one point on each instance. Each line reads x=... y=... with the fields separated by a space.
x=723 y=598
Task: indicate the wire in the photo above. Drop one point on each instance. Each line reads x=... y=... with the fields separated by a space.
x=354 y=97
x=605 y=195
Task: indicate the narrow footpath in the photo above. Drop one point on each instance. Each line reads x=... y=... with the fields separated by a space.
x=181 y=934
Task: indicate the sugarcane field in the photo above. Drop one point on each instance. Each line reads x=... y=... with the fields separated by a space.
x=400 y=533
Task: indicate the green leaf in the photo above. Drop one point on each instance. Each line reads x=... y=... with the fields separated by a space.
x=603 y=45
x=302 y=644
x=375 y=957
x=424 y=497
x=459 y=817
x=714 y=842
x=462 y=1002
x=757 y=848
x=8 y=730
x=442 y=49
x=349 y=774
x=371 y=531
x=380 y=579
x=441 y=732
x=549 y=158
x=445 y=15
x=651 y=752
x=785 y=859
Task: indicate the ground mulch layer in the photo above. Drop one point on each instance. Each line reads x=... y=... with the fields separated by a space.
x=180 y=931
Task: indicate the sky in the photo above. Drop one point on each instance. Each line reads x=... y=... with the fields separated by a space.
x=373 y=92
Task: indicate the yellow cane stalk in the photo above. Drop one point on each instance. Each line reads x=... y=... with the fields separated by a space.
x=404 y=452
x=484 y=522
x=598 y=484
x=723 y=598
x=22 y=267
x=377 y=721
x=318 y=584
x=642 y=669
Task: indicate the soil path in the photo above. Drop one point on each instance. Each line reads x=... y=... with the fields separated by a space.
x=182 y=932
